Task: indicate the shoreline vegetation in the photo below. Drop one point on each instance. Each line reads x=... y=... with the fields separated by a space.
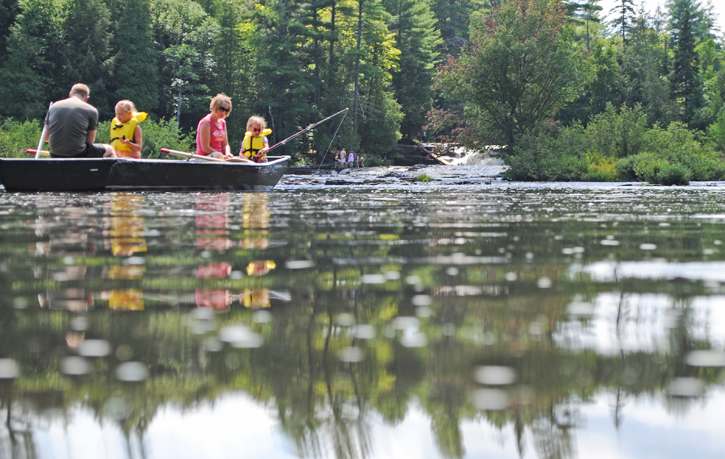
x=571 y=92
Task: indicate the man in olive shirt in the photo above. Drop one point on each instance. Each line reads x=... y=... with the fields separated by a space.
x=71 y=127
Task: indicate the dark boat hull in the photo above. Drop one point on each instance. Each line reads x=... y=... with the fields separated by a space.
x=84 y=174
x=138 y=175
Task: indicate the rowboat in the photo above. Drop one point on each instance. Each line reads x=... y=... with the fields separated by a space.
x=85 y=174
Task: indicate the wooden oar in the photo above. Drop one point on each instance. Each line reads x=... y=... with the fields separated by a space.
x=184 y=154
x=42 y=135
x=203 y=158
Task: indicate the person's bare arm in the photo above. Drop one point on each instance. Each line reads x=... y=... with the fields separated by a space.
x=137 y=143
x=91 y=136
x=266 y=146
x=204 y=137
x=226 y=149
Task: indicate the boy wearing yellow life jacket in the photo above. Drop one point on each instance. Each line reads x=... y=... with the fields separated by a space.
x=126 y=135
x=255 y=144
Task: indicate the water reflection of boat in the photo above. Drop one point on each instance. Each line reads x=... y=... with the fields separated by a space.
x=212 y=222
x=255 y=221
x=22 y=174
x=126 y=236
x=70 y=237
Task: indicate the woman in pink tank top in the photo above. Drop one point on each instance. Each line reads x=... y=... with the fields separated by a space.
x=211 y=133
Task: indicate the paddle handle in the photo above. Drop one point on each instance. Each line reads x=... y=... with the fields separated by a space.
x=43 y=132
x=184 y=154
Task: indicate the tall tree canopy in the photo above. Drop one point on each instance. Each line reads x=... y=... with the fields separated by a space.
x=522 y=66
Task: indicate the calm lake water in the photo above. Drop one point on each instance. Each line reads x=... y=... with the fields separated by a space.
x=412 y=321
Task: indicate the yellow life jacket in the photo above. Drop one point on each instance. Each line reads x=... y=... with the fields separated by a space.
x=251 y=144
x=120 y=130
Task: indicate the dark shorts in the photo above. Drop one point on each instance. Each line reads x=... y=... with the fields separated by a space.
x=95 y=150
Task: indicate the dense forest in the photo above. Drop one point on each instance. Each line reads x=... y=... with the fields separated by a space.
x=573 y=92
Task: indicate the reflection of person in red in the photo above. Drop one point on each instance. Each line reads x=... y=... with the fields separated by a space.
x=215 y=298
x=218 y=270
x=218 y=298
x=212 y=222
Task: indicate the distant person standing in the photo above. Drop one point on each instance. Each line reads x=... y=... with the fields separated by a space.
x=71 y=127
x=362 y=161
x=424 y=136
x=343 y=158
x=351 y=159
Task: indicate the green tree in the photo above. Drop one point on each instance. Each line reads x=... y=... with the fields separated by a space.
x=686 y=83
x=32 y=67
x=416 y=37
x=286 y=93
x=234 y=64
x=644 y=71
x=8 y=10
x=624 y=15
x=586 y=13
x=376 y=113
x=86 y=32
x=453 y=19
x=521 y=68
x=136 y=62
x=604 y=85
x=187 y=36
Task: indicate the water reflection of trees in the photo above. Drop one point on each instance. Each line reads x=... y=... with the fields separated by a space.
x=491 y=312
x=325 y=404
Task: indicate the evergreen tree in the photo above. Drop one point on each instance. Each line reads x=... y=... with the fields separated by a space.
x=286 y=92
x=624 y=15
x=376 y=113
x=136 y=63
x=416 y=37
x=585 y=13
x=686 y=84
x=701 y=19
x=453 y=19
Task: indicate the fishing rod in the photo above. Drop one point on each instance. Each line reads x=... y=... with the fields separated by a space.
x=278 y=144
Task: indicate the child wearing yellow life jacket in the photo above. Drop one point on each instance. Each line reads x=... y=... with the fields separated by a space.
x=126 y=135
x=255 y=143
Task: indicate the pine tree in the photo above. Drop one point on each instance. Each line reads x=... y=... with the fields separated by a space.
x=585 y=13
x=416 y=37
x=686 y=84
x=624 y=15
x=285 y=94
x=454 y=18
